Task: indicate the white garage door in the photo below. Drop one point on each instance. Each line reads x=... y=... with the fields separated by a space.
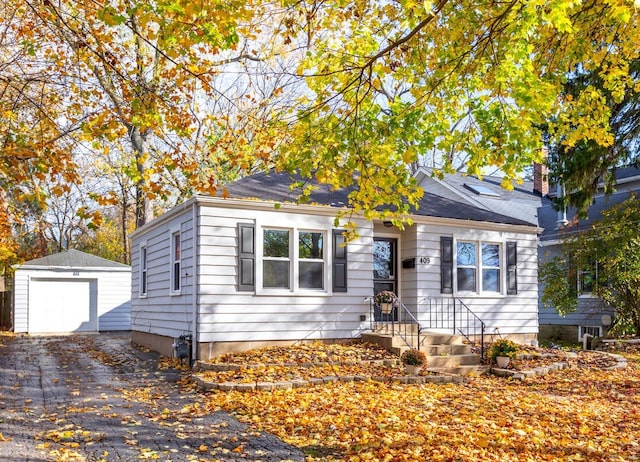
x=62 y=305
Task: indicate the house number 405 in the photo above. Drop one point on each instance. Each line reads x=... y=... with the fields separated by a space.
x=424 y=260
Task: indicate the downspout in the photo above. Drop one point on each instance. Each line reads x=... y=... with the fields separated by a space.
x=194 y=296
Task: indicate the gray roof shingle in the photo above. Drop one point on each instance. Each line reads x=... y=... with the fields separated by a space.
x=74 y=259
x=275 y=187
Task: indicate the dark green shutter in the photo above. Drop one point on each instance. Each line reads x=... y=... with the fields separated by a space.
x=512 y=268
x=446 y=265
x=339 y=262
x=246 y=257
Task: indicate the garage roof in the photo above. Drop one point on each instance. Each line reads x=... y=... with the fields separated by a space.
x=73 y=259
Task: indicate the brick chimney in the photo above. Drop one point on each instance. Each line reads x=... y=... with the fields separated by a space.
x=541 y=177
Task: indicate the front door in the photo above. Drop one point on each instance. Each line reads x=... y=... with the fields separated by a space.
x=385 y=265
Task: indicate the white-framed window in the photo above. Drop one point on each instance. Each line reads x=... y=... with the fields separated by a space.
x=595 y=331
x=588 y=279
x=143 y=271
x=293 y=259
x=475 y=267
x=175 y=262
x=478 y=267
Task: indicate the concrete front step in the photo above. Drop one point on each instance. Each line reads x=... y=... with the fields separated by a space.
x=453 y=360
x=445 y=350
x=446 y=354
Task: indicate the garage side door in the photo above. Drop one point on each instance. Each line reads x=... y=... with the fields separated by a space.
x=63 y=305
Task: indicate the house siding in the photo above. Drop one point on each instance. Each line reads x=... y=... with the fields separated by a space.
x=161 y=312
x=507 y=314
x=21 y=302
x=228 y=315
x=114 y=301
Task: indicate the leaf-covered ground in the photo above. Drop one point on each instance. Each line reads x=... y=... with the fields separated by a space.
x=581 y=413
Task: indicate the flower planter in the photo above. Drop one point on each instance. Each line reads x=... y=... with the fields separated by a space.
x=412 y=370
x=503 y=361
x=386 y=308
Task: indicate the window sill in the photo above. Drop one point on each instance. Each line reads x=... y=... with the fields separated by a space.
x=587 y=295
x=290 y=293
x=481 y=295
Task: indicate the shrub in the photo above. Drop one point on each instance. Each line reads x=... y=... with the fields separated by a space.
x=413 y=357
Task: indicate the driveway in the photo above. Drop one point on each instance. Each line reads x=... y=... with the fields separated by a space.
x=99 y=398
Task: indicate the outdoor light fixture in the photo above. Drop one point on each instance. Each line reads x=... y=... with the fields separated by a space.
x=387 y=224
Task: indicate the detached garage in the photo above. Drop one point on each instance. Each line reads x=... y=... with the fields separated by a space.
x=72 y=291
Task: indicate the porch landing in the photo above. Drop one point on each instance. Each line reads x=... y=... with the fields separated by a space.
x=446 y=353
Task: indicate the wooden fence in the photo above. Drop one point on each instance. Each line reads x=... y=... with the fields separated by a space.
x=6 y=310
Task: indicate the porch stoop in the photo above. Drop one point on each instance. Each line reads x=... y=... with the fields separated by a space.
x=446 y=353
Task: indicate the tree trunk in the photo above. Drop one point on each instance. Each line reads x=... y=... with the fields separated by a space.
x=144 y=212
x=126 y=257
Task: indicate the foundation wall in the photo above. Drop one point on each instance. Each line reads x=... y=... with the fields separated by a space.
x=158 y=343
x=559 y=333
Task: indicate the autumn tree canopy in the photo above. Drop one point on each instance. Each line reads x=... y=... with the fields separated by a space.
x=482 y=81
x=584 y=166
x=190 y=94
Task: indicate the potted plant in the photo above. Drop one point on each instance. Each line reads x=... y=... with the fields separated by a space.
x=413 y=360
x=386 y=300
x=502 y=351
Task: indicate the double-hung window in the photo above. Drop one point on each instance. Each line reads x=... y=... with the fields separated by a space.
x=293 y=259
x=490 y=267
x=477 y=267
x=311 y=260
x=143 y=271
x=466 y=266
x=276 y=259
x=175 y=262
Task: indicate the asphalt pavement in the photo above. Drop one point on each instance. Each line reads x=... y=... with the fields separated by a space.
x=100 y=398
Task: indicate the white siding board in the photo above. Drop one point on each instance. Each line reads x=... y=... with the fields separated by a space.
x=114 y=302
x=21 y=302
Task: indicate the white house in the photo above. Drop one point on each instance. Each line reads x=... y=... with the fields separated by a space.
x=238 y=272
x=72 y=291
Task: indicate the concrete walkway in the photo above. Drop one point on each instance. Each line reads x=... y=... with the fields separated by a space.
x=98 y=398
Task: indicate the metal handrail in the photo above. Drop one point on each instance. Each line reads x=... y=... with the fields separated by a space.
x=452 y=314
x=399 y=327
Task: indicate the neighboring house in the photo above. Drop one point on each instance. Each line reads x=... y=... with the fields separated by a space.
x=592 y=316
x=238 y=272
x=71 y=291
